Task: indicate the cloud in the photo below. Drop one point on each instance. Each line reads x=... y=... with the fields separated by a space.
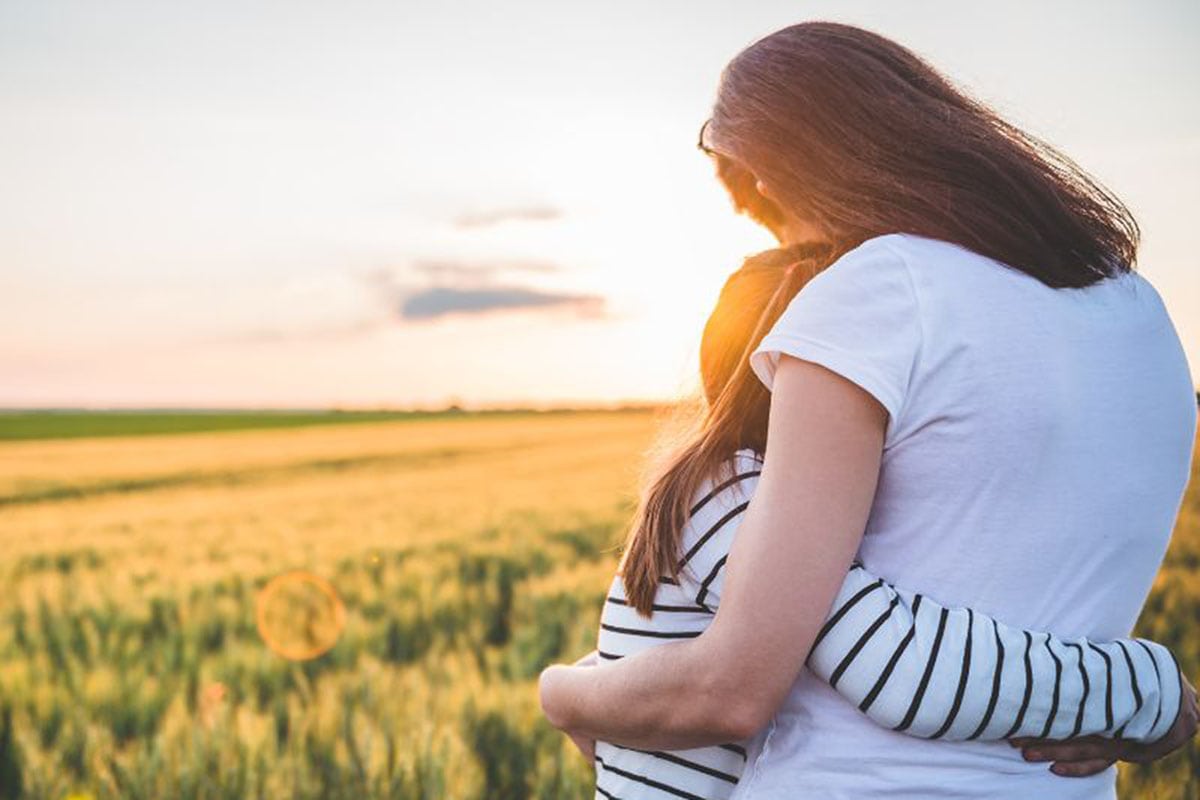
x=482 y=219
x=333 y=331
x=455 y=269
x=438 y=301
x=376 y=299
x=432 y=288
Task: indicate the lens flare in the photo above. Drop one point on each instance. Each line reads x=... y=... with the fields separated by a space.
x=299 y=615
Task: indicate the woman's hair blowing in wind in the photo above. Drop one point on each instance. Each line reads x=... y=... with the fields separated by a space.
x=862 y=136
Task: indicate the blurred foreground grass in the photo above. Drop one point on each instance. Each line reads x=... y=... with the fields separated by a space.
x=469 y=551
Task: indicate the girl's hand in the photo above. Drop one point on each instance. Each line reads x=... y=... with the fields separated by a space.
x=1079 y=758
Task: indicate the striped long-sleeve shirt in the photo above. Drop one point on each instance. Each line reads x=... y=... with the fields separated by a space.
x=907 y=662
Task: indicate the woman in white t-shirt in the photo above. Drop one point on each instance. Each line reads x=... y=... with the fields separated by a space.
x=978 y=398
x=878 y=641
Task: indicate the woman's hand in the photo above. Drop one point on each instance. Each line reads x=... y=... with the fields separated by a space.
x=1078 y=758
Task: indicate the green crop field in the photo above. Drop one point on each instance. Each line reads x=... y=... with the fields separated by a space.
x=466 y=552
x=19 y=425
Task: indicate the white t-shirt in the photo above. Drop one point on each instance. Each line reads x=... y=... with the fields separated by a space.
x=1037 y=449
x=901 y=658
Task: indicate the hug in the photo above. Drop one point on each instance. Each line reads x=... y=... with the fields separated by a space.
x=946 y=432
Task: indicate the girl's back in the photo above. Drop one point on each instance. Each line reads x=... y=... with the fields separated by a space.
x=1038 y=446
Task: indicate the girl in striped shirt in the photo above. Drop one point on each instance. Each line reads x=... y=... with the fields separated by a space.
x=904 y=660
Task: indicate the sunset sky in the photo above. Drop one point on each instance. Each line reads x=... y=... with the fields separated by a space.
x=230 y=204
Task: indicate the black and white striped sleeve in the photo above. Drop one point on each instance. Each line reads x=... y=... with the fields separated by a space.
x=927 y=670
x=714 y=520
x=951 y=673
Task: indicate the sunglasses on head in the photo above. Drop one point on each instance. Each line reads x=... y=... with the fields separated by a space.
x=700 y=140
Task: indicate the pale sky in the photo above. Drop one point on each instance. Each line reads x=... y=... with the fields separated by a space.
x=352 y=203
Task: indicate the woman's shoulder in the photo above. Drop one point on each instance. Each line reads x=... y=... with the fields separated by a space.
x=933 y=263
x=913 y=250
x=946 y=275
x=887 y=247
x=912 y=274
x=876 y=269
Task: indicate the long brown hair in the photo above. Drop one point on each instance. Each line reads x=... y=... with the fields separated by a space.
x=735 y=415
x=860 y=135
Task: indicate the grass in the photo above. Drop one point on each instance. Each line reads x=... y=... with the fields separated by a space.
x=26 y=425
x=468 y=550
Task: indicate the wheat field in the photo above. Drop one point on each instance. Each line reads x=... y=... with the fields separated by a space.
x=465 y=551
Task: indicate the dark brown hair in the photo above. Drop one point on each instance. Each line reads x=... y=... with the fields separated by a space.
x=735 y=416
x=740 y=183
x=863 y=137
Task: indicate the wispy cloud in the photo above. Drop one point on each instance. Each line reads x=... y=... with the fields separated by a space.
x=427 y=289
x=354 y=304
x=453 y=269
x=441 y=301
x=481 y=219
x=333 y=331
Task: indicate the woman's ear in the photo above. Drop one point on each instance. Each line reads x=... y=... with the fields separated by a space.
x=762 y=189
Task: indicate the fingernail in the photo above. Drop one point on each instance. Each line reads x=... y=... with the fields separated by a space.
x=1033 y=755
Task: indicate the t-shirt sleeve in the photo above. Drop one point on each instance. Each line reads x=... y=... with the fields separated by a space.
x=859 y=318
x=932 y=671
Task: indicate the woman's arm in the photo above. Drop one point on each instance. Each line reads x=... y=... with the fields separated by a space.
x=919 y=667
x=794 y=548
x=928 y=670
x=906 y=661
